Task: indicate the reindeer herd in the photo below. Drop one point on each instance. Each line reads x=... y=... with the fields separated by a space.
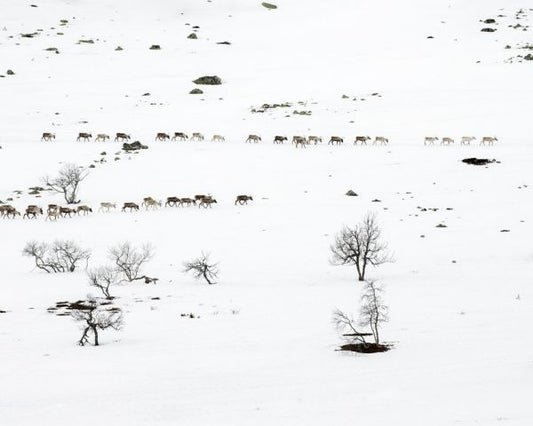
x=298 y=141
x=55 y=211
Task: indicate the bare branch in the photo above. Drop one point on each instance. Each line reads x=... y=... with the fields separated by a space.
x=129 y=260
x=202 y=267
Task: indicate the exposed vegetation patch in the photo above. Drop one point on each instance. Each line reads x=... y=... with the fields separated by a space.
x=212 y=80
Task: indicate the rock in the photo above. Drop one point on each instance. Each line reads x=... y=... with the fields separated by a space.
x=224 y=42
x=210 y=80
x=488 y=30
x=196 y=92
x=489 y=21
x=10 y=72
x=119 y=48
x=441 y=225
x=155 y=47
x=351 y=193
x=192 y=36
x=269 y=5
x=134 y=146
x=505 y=230
x=478 y=161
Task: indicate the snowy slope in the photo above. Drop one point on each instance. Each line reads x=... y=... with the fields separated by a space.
x=263 y=348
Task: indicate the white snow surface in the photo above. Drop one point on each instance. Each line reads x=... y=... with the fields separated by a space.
x=262 y=349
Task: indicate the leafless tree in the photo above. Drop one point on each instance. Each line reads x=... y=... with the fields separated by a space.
x=96 y=316
x=67 y=181
x=360 y=246
x=372 y=314
x=373 y=311
x=129 y=260
x=202 y=267
x=104 y=278
x=60 y=256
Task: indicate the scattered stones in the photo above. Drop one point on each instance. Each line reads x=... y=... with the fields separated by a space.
x=212 y=80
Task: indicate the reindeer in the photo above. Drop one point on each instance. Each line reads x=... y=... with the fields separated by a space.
x=489 y=140
x=107 y=206
x=85 y=137
x=218 y=138
x=381 y=140
x=253 y=138
x=131 y=206
x=279 y=139
x=47 y=136
x=187 y=201
x=101 y=137
x=5 y=209
x=447 y=141
x=84 y=209
x=300 y=141
x=207 y=202
x=179 y=135
x=243 y=199
x=52 y=215
x=52 y=208
x=162 y=137
x=146 y=201
x=66 y=211
x=197 y=137
x=172 y=201
x=336 y=139
x=152 y=203
x=430 y=140
x=121 y=137
x=466 y=140
x=10 y=212
x=362 y=139
x=315 y=139
x=32 y=211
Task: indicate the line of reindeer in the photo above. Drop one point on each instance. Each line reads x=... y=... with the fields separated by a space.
x=55 y=211
x=465 y=140
x=298 y=141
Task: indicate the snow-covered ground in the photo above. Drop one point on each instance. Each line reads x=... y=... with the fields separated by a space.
x=262 y=348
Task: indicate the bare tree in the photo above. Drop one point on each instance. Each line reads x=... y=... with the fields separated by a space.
x=96 y=316
x=67 y=181
x=202 y=267
x=360 y=246
x=373 y=311
x=372 y=314
x=60 y=256
x=129 y=260
x=104 y=278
